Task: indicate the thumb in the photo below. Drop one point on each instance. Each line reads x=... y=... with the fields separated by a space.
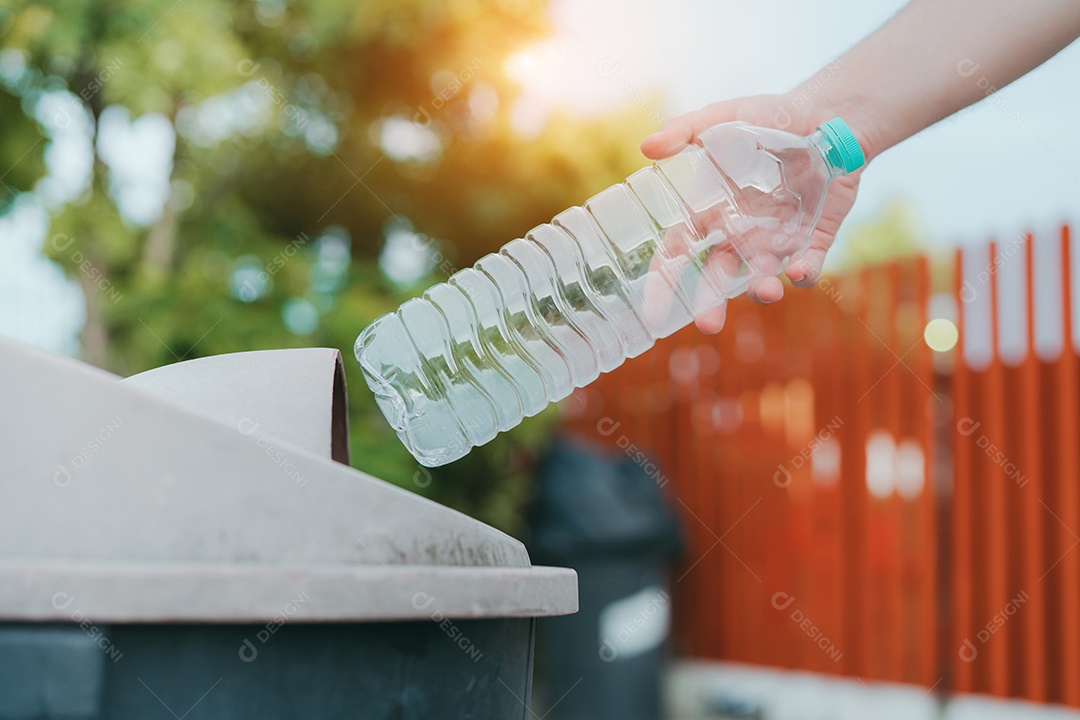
x=680 y=131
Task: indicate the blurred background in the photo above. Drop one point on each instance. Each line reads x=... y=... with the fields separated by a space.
x=187 y=179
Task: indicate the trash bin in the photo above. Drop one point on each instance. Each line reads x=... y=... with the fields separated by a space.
x=603 y=515
x=189 y=543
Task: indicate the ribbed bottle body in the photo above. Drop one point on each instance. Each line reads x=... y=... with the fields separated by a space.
x=598 y=284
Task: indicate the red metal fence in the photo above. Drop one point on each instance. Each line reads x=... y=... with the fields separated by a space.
x=857 y=503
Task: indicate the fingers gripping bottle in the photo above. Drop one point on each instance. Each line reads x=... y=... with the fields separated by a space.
x=598 y=284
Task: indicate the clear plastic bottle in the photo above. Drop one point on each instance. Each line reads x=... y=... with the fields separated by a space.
x=599 y=284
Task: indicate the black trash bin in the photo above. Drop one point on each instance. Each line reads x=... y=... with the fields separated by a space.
x=208 y=554
x=602 y=514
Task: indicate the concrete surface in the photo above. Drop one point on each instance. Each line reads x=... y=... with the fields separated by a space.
x=693 y=688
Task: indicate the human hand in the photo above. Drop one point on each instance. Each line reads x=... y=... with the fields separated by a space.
x=784 y=113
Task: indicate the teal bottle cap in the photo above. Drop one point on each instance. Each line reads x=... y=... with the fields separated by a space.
x=850 y=155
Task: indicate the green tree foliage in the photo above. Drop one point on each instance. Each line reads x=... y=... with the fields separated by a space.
x=304 y=132
x=21 y=151
x=894 y=233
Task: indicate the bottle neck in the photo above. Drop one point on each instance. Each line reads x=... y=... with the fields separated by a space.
x=830 y=154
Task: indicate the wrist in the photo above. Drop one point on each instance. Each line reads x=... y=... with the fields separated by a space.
x=822 y=103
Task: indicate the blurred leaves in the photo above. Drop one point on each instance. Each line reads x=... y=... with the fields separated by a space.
x=302 y=131
x=22 y=151
x=894 y=233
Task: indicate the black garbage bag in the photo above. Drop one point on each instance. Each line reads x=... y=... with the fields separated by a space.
x=592 y=502
x=602 y=514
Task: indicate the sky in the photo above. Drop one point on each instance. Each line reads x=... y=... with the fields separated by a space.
x=1007 y=165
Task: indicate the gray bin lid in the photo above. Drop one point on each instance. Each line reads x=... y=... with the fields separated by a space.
x=207 y=491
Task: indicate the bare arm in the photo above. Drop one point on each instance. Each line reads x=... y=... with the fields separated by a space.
x=936 y=57
x=933 y=58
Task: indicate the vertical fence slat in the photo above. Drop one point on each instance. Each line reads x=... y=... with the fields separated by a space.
x=895 y=396
x=963 y=502
x=1033 y=628
x=707 y=462
x=828 y=384
x=1064 y=397
x=925 y=547
x=996 y=540
x=729 y=465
